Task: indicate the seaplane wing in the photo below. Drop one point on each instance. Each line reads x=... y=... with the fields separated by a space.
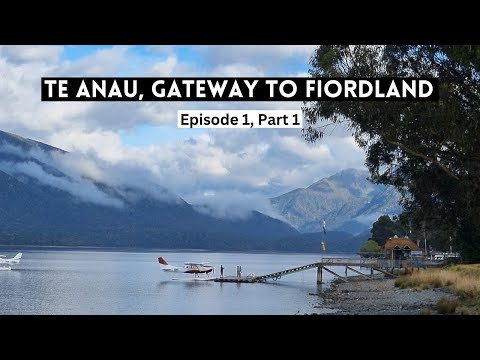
x=188 y=268
x=206 y=264
x=10 y=261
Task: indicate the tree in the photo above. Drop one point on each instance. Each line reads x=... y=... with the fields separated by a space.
x=371 y=247
x=430 y=151
x=414 y=225
x=429 y=227
x=384 y=228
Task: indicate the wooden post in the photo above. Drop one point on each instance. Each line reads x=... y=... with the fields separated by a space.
x=371 y=271
x=358 y=272
x=346 y=276
x=319 y=275
x=335 y=274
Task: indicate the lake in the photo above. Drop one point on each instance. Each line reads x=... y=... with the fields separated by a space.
x=116 y=282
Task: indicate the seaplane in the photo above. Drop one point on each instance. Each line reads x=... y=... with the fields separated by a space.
x=188 y=268
x=6 y=262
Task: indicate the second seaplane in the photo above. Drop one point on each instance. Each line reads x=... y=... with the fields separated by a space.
x=6 y=262
x=195 y=268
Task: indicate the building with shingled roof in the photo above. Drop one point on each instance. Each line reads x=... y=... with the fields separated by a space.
x=400 y=248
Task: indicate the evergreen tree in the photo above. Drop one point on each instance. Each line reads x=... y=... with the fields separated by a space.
x=385 y=228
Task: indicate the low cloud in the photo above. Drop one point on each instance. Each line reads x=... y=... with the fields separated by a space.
x=81 y=189
x=232 y=204
x=80 y=176
x=222 y=172
x=264 y=161
x=369 y=219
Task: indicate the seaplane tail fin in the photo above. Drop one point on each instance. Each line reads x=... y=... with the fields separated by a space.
x=162 y=261
x=18 y=256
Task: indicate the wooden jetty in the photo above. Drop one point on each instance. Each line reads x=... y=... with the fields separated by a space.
x=327 y=263
x=384 y=266
x=236 y=279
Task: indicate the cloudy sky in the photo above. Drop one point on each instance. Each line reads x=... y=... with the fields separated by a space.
x=227 y=167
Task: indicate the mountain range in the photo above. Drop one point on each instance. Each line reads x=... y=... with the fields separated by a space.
x=346 y=200
x=39 y=206
x=44 y=202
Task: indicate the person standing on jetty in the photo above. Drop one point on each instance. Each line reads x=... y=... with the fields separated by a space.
x=221 y=270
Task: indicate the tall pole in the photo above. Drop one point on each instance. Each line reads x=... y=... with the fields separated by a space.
x=323 y=235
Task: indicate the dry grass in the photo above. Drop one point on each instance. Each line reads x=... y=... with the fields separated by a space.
x=446 y=305
x=472 y=270
x=467 y=310
x=427 y=279
x=463 y=280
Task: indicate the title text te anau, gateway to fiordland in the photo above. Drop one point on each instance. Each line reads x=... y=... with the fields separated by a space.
x=239 y=89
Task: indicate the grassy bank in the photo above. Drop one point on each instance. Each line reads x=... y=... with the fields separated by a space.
x=463 y=280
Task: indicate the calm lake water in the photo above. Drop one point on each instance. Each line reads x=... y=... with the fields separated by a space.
x=112 y=282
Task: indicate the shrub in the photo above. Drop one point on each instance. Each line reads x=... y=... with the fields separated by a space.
x=371 y=246
x=446 y=305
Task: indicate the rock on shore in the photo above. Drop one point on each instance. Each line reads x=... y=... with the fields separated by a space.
x=378 y=297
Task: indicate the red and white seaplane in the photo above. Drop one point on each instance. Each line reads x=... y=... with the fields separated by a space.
x=188 y=268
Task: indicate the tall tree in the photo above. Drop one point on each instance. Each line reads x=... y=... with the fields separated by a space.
x=430 y=151
x=385 y=228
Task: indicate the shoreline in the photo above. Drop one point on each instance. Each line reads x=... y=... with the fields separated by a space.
x=378 y=297
x=16 y=247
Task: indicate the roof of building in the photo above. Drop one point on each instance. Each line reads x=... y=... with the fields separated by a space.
x=401 y=243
